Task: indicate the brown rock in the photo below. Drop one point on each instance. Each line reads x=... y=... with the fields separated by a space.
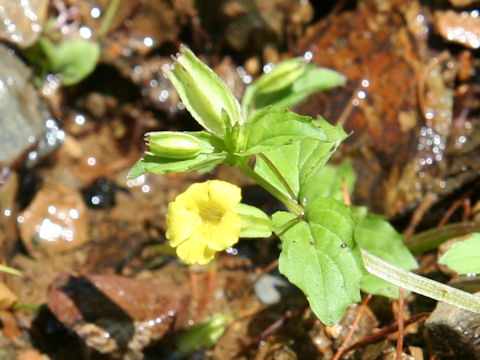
x=22 y=20
x=452 y=330
x=462 y=28
x=114 y=314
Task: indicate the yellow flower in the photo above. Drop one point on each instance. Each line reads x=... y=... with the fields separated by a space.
x=203 y=220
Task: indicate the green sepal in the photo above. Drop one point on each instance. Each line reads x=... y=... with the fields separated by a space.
x=374 y=234
x=319 y=255
x=204 y=93
x=161 y=165
x=255 y=223
x=464 y=256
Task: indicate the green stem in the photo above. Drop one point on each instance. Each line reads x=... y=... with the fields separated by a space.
x=290 y=203
x=420 y=284
x=430 y=239
x=108 y=19
x=10 y=270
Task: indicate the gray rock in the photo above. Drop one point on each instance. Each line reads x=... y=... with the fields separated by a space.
x=269 y=289
x=21 y=121
x=454 y=333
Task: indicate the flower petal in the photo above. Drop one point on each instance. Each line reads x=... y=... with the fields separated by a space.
x=181 y=223
x=226 y=233
x=224 y=193
x=203 y=220
x=195 y=250
x=196 y=194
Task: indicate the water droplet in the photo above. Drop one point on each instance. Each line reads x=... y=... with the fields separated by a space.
x=73 y=213
x=164 y=95
x=91 y=161
x=148 y=41
x=85 y=32
x=95 y=12
x=268 y=67
x=136 y=182
x=308 y=56
x=232 y=251
x=79 y=119
x=49 y=231
x=32 y=155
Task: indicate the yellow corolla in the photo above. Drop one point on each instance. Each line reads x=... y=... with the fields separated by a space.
x=203 y=220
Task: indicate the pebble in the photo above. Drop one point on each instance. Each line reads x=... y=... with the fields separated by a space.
x=56 y=221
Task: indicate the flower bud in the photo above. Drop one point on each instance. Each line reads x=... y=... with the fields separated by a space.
x=283 y=74
x=204 y=93
x=175 y=145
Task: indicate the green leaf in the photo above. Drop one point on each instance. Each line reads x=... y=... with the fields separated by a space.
x=161 y=165
x=273 y=127
x=204 y=93
x=203 y=335
x=299 y=163
x=74 y=60
x=320 y=256
x=255 y=223
x=329 y=181
x=464 y=256
x=374 y=234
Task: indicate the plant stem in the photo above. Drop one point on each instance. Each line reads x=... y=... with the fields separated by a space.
x=290 y=203
x=420 y=284
x=430 y=239
x=108 y=19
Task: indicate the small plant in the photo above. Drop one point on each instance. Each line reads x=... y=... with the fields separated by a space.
x=71 y=58
x=329 y=250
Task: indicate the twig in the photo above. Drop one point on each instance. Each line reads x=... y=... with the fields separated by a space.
x=384 y=332
x=360 y=312
x=401 y=306
x=273 y=328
